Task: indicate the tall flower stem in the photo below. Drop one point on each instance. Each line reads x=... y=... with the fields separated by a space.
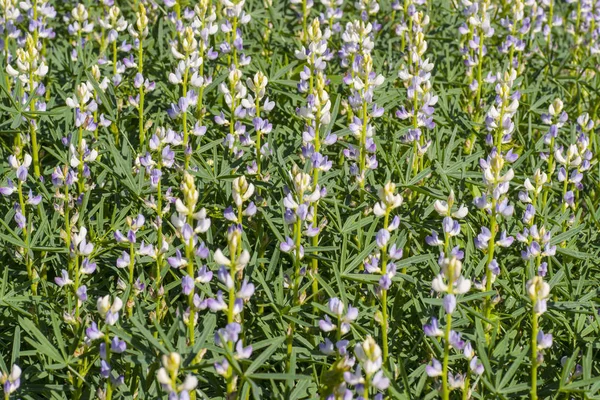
x=109 y=389
x=34 y=144
x=315 y=177
x=142 y=133
x=231 y=382
x=549 y=44
x=76 y=287
x=534 y=363
x=159 y=256
x=297 y=279
x=479 y=66
x=384 y=305
x=28 y=262
x=189 y=254
x=80 y=179
x=445 y=389
x=550 y=172
x=304 y=20
x=450 y=275
x=131 y=275
x=67 y=223
x=186 y=138
x=488 y=271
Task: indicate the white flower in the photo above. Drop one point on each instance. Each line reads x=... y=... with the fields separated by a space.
x=438 y=284
x=441 y=207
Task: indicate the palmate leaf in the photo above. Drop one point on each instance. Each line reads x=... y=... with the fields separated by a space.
x=41 y=343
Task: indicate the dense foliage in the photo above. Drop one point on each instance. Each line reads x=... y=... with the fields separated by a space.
x=286 y=199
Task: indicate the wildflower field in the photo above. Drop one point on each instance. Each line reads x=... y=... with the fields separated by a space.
x=298 y=199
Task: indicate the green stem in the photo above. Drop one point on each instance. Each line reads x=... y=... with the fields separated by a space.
x=109 y=388
x=550 y=18
x=297 y=244
x=28 y=262
x=415 y=126
x=189 y=254
x=445 y=389
x=304 y=21
x=384 y=306
x=534 y=364
x=550 y=173
x=34 y=145
x=186 y=138
x=488 y=272
x=114 y=50
x=142 y=133
x=80 y=178
x=67 y=225
x=315 y=239
x=480 y=65
x=367 y=388
x=131 y=263
x=76 y=287
x=32 y=130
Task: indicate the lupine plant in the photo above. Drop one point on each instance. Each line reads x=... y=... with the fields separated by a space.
x=415 y=74
x=254 y=199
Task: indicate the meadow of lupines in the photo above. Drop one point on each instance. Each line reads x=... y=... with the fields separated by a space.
x=292 y=199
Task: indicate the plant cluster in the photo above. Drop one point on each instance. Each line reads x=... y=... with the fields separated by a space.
x=335 y=199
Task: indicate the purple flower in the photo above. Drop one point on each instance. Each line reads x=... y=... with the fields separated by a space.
x=177 y=261
x=246 y=290
x=434 y=239
x=20 y=219
x=456 y=341
x=326 y=325
x=494 y=267
x=287 y=246
x=242 y=352
x=204 y=275
x=64 y=279
x=124 y=260
x=434 y=369
x=569 y=198
x=449 y=303
x=451 y=227
x=380 y=381
x=187 y=285
x=104 y=369
x=476 y=366
x=217 y=304
x=88 y=267
x=82 y=293
x=222 y=368
x=394 y=252
x=93 y=332
x=33 y=200
x=382 y=238
x=505 y=240
x=544 y=341
x=482 y=240
x=117 y=346
x=432 y=329
x=8 y=189
x=202 y=252
x=229 y=214
x=543 y=269
x=225 y=277
x=119 y=237
x=385 y=282
x=326 y=347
